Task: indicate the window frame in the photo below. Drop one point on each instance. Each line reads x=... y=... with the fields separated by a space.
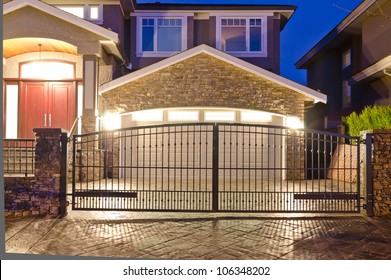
x=155 y=52
x=263 y=17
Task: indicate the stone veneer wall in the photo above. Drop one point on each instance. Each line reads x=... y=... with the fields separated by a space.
x=381 y=164
x=46 y=192
x=203 y=80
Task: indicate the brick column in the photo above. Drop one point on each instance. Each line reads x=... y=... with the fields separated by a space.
x=51 y=170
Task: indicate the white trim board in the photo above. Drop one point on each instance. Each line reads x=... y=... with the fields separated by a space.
x=315 y=95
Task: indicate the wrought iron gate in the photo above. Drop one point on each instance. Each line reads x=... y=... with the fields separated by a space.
x=216 y=167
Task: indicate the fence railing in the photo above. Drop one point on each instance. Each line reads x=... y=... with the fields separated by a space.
x=216 y=167
x=19 y=157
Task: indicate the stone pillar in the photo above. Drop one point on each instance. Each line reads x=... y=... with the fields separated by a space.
x=381 y=165
x=51 y=170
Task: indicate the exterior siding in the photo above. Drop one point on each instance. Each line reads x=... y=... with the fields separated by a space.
x=325 y=75
x=203 y=81
x=201 y=32
x=376 y=36
x=190 y=32
x=212 y=31
x=113 y=19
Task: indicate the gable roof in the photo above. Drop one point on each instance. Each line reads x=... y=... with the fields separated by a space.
x=260 y=72
x=111 y=42
x=350 y=25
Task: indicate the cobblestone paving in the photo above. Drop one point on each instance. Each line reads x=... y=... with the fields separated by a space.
x=205 y=237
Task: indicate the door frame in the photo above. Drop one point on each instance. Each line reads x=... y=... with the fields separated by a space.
x=19 y=83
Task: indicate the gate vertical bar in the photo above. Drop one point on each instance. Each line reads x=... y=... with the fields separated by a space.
x=63 y=174
x=369 y=174
x=73 y=171
x=358 y=176
x=215 y=168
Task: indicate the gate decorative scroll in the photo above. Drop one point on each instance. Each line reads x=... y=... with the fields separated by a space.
x=211 y=167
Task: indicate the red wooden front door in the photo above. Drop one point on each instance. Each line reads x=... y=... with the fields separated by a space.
x=46 y=104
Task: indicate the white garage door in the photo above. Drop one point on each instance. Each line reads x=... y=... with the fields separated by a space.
x=165 y=153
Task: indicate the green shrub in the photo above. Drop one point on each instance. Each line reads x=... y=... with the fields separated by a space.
x=372 y=117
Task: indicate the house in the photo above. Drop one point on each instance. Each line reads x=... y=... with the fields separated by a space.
x=351 y=64
x=82 y=61
x=196 y=92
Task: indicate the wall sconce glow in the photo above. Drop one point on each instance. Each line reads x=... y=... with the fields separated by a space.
x=112 y=121
x=294 y=122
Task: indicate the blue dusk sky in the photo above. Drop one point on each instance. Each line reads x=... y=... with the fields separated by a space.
x=312 y=20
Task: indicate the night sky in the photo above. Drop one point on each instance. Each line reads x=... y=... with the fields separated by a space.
x=312 y=20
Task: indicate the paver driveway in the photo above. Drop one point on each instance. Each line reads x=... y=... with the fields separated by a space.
x=201 y=236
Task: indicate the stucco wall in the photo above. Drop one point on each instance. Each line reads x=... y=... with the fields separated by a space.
x=376 y=36
x=203 y=81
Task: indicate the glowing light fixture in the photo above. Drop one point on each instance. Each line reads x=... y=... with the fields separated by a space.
x=294 y=122
x=112 y=121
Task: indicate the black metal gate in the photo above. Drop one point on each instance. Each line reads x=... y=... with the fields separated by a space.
x=215 y=167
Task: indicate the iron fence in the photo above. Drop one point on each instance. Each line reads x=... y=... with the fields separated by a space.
x=19 y=157
x=216 y=167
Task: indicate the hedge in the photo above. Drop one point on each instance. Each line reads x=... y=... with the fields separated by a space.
x=372 y=117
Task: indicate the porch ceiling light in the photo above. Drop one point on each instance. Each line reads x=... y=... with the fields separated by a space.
x=294 y=122
x=111 y=121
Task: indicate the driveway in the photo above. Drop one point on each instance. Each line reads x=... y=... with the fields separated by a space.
x=201 y=236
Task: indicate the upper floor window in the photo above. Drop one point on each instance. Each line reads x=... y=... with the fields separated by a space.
x=161 y=36
x=89 y=12
x=346 y=58
x=242 y=35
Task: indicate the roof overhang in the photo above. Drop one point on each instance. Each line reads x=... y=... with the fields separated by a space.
x=127 y=7
x=260 y=72
x=350 y=25
x=284 y=11
x=373 y=72
x=110 y=42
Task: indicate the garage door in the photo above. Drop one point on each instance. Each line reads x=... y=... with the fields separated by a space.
x=178 y=159
x=240 y=146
